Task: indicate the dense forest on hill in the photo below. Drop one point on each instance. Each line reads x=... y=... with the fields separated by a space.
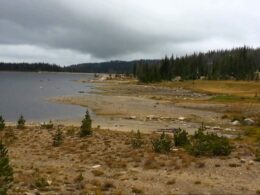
x=119 y=67
x=30 y=67
x=240 y=63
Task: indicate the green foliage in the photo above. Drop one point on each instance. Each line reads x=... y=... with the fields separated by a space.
x=257 y=155
x=209 y=144
x=137 y=140
x=181 y=138
x=47 y=125
x=21 y=122
x=85 y=129
x=2 y=123
x=41 y=183
x=6 y=171
x=163 y=144
x=58 y=138
x=240 y=63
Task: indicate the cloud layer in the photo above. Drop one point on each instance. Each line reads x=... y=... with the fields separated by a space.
x=66 y=32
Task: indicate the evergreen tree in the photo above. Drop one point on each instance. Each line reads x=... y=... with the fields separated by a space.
x=85 y=129
x=6 y=171
x=2 y=123
x=21 y=122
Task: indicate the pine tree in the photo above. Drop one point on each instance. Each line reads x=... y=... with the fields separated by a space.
x=2 y=123
x=6 y=171
x=85 y=129
x=58 y=138
x=21 y=122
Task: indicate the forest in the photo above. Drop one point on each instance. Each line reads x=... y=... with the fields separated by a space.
x=239 y=64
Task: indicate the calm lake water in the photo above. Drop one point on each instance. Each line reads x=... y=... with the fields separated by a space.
x=27 y=93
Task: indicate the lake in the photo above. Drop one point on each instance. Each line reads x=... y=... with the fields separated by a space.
x=26 y=93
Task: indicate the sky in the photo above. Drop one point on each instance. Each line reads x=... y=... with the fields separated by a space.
x=76 y=31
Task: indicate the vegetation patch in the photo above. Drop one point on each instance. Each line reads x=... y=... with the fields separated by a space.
x=209 y=144
x=181 y=138
x=21 y=122
x=85 y=129
x=2 y=123
x=137 y=140
x=163 y=144
x=6 y=171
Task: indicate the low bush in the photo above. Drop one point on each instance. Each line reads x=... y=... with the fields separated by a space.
x=40 y=183
x=181 y=138
x=48 y=125
x=58 y=138
x=21 y=122
x=2 y=123
x=137 y=140
x=163 y=144
x=257 y=155
x=209 y=144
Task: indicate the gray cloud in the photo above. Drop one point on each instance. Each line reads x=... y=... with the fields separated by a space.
x=113 y=29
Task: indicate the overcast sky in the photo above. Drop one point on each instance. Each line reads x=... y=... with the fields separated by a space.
x=74 y=31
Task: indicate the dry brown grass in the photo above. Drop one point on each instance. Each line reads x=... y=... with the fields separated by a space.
x=236 y=88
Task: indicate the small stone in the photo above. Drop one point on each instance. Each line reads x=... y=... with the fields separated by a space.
x=251 y=162
x=236 y=123
x=96 y=166
x=181 y=118
x=243 y=160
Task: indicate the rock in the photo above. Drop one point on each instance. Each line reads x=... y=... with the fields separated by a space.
x=242 y=160
x=236 y=123
x=49 y=182
x=131 y=117
x=181 y=118
x=96 y=166
x=251 y=162
x=175 y=149
x=249 y=121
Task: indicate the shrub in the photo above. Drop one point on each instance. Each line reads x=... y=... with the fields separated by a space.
x=162 y=144
x=21 y=122
x=57 y=138
x=137 y=140
x=6 y=171
x=41 y=183
x=85 y=129
x=181 y=138
x=209 y=144
x=257 y=155
x=2 y=123
x=47 y=125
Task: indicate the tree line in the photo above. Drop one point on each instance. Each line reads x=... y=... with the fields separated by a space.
x=30 y=67
x=239 y=63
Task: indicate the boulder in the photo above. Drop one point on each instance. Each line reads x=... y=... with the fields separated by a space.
x=236 y=123
x=249 y=121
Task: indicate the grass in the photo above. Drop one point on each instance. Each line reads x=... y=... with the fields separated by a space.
x=119 y=163
x=233 y=88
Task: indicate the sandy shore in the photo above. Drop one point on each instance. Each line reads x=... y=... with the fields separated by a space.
x=128 y=106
